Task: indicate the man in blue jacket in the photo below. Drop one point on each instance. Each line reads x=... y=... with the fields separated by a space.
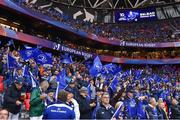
x=105 y=110
x=59 y=110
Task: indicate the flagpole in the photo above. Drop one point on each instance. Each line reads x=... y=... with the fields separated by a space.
x=117 y=110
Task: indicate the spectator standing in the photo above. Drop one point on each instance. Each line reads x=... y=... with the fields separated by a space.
x=37 y=101
x=50 y=97
x=74 y=104
x=130 y=105
x=60 y=110
x=105 y=111
x=84 y=104
x=175 y=110
x=151 y=110
x=12 y=99
x=161 y=110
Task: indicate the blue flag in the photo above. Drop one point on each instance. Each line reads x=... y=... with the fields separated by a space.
x=62 y=83
x=111 y=69
x=138 y=74
x=67 y=59
x=28 y=53
x=165 y=79
x=11 y=42
x=88 y=64
x=43 y=58
x=97 y=64
x=11 y=62
x=113 y=85
x=34 y=82
x=96 y=67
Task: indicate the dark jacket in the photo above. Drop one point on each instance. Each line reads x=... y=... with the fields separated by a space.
x=175 y=112
x=116 y=98
x=151 y=113
x=104 y=113
x=74 y=90
x=84 y=107
x=12 y=94
x=161 y=113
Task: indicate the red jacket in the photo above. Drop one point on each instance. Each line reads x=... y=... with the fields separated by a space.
x=27 y=101
x=1 y=84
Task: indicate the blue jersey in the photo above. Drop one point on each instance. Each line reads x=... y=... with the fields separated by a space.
x=59 y=111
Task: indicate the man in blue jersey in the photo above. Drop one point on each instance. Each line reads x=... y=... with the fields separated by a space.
x=59 y=110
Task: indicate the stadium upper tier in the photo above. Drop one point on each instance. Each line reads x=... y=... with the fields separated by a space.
x=154 y=31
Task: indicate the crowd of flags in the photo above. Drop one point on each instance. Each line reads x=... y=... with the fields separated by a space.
x=111 y=73
x=41 y=58
x=107 y=71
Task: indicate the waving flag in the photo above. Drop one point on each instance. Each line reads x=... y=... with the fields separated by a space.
x=111 y=69
x=28 y=53
x=43 y=58
x=97 y=64
x=67 y=59
x=34 y=82
x=11 y=42
x=62 y=83
x=97 y=67
x=11 y=62
x=165 y=79
x=138 y=74
x=113 y=85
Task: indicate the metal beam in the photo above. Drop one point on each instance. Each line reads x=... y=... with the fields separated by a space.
x=130 y=3
x=90 y=3
x=110 y=4
x=141 y=3
x=95 y=4
x=101 y=3
x=73 y=2
x=137 y=1
x=116 y=4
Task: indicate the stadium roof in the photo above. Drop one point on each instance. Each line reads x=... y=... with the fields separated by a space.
x=115 y=4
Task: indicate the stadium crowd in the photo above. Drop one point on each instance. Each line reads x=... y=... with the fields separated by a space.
x=153 y=31
x=72 y=89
